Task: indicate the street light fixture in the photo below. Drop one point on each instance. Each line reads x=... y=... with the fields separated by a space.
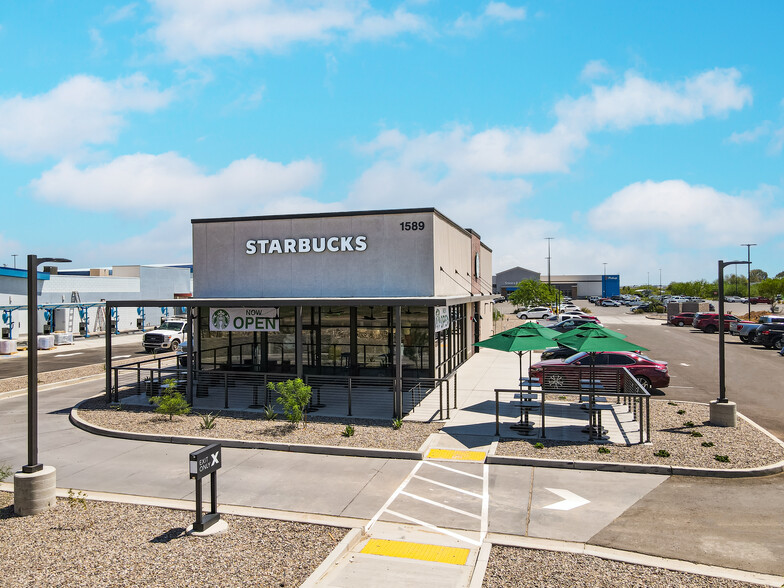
x=722 y=411
x=604 y=280
x=748 y=247
x=35 y=486
x=32 y=359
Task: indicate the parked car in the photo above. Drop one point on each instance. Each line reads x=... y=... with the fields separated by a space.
x=760 y=300
x=536 y=312
x=684 y=318
x=558 y=318
x=709 y=322
x=593 y=299
x=572 y=323
x=609 y=302
x=771 y=335
x=558 y=353
x=649 y=372
x=747 y=330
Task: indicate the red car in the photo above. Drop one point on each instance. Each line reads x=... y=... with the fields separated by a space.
x=684 y=318
x=566 y=373
x=760 y=300
x=709 y=322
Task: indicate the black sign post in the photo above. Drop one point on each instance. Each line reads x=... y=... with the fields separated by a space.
x=206 y=460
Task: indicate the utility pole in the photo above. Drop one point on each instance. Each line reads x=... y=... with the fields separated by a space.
x=660 y=284
x=604 y=280
x=549 y=287
x=748 y=247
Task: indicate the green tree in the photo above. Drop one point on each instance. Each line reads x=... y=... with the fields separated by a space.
x=294 y=395
x=771 y=287
x=780 y=275
x=532 y=292
x=757 y=275
x=170 y=402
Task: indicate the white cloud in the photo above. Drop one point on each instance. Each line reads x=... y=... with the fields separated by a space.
x=190 y=29
x=696 y=217
x=594 y=69
x=777 y=142
x=9 y=248
x=638 y=101
x=120 y=14
x=81 y=111
x=169 y=182
x=750 y=136
x=493 y=12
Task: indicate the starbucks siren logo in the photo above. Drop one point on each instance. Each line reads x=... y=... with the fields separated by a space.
x=220 y=319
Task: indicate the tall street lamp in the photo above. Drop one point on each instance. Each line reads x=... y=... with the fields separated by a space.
x=723 y=413
x=34 y=485
x=748 y=247
x=604 y=280
x=549 y=287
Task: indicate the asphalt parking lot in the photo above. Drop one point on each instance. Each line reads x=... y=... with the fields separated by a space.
x=753 y=374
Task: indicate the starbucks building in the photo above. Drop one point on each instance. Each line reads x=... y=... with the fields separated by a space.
x=372 y=309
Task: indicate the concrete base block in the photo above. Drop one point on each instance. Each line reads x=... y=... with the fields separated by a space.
x=723 y=414
x=35 y=493
x=220 y=527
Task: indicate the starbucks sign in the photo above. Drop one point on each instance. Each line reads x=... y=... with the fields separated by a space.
x=247 y=320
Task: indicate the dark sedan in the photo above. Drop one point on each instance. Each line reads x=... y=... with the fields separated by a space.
x=572 y=323
x=771 y=335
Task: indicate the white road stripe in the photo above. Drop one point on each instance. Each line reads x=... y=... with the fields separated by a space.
x=69 y=354
x=685 y=365
x=392 y=498
x=447 y=486
x=443 y=467
x=121 y=357
x=434 y=503
x=434 y=528
x=682 y=387
x=485 y=501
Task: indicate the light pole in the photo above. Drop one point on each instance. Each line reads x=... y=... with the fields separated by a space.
x=604 y=280
x=748 y=247
x=660 y=284
x=14 y=255
x=549 y=287
x=723 y=412
x=31 y=496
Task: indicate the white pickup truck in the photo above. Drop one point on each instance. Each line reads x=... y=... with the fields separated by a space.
x=167 y=337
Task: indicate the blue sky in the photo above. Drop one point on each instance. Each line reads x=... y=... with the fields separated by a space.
x=643 y=135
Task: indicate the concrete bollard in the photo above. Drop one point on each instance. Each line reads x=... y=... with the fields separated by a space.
x=35 y=493
x=723 y=414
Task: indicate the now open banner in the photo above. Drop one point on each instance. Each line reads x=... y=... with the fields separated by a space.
x=247 y=320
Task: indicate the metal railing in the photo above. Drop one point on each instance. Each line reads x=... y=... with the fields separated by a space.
x=226 y=389
x=618 y=382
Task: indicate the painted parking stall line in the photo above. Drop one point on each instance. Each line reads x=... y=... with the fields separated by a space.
x=70 y=354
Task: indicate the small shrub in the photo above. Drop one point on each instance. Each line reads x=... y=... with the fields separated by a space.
x=707 y=444
x=688 y=424
x=5 y=471
x=397 y=423
x=562 y=398
x=671 y=403
x=208 y=421
x=681 y=411
x=294 y=395
x=662 y=453
x=539 y=445
x=118 y=407
x=170 y=402
x=269 y=413
x=696 y=434
x=348 y=431
x=603 y=450
x=722 y=458
x=78 y=500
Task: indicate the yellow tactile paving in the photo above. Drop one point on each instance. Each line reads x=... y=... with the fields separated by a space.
x=456 y=454
x=421 y=551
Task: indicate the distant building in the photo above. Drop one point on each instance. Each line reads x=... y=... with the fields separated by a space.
x=575 y=286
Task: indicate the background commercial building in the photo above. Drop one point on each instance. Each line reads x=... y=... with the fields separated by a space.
x=575 y=286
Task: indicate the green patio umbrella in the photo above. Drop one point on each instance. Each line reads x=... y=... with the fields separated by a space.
x=526 y=337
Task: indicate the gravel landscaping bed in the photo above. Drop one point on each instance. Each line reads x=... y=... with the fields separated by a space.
x=254 y=427
x=108 y=544
x=20 y=382
x=745 y=446
x=522 y=568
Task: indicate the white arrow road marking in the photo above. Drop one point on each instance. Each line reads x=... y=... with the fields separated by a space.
x=570 y=500
x=68 y=354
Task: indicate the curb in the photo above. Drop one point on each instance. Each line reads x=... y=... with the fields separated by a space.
x=78 y=422
x=631 y=557
x=352 y=538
